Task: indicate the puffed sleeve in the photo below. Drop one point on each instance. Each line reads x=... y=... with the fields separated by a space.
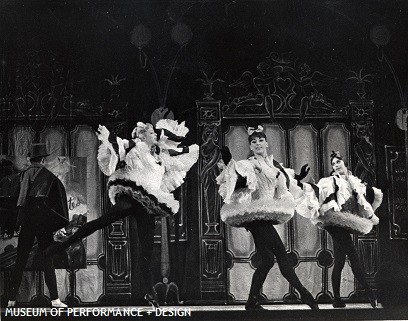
x=308 y=204
x=107 y=158
x=294 y=188
x=329 y=194
x=228 y=178
x=367 y=209
x=289 y=177
x=176 y=167
x=378 y=197
x=182 y=162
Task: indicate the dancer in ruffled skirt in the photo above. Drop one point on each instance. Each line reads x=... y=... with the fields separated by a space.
x=258 y=193
x=342 y=204
x=141 y=182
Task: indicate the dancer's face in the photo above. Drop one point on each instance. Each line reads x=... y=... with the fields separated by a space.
x=150 y=137
x=338 y=166
x=259 y=145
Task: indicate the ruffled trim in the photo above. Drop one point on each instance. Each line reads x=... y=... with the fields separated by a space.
x=308 y=205
x=270 y=161
x=123 y=144
x=107 y=158
x=294 y=189
x=245 y=169
x=366 y=210
x=156 y=202
x=140 y=159
x=268 y=209
x=177 y=168
x=375 y=219
x=165 y=143
x=289 y=171
x=378 y=197
x=228 y=179
x=332 y=205
x=353 y=223
x=356 y=209
x=173 y=126
x=182 y=162
x=172 y=180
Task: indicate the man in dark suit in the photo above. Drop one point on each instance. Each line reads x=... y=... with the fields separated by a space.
x=41 y=210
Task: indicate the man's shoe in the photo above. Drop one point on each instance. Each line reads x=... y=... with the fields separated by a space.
x=58 y=304
x=11 y=304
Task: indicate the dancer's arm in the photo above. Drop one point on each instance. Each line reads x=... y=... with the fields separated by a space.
x=226 y=157
x=182 y=162
x=237 y=175
x=107 y=156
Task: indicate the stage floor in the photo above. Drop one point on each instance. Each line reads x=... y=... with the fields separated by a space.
x=353 y=311
x=275 y=312
x=278 y=307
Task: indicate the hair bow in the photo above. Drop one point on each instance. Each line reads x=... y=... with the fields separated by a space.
x=251 y=130
x=335 y=154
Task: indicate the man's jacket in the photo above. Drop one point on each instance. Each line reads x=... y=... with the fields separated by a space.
x=43 y=197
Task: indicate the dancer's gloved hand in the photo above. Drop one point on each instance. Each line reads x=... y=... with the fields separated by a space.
x=103 y=133
x=225 y=154
x=171 y=135
x=173 y=152
x=303 y=172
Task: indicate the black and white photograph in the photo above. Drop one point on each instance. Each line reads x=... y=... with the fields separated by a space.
x=203 y=160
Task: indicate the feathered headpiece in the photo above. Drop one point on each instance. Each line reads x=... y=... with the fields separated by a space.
x=251 y=130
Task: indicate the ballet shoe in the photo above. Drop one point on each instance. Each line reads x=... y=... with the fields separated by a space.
x=253 y=304
x=338 y=303
x=372 y=299
x=152 y=298
x=307 y=298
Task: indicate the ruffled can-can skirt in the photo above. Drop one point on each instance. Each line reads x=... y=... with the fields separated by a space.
x=276 y=210
x=347 y=220
x=352 y=217
x=155 y=202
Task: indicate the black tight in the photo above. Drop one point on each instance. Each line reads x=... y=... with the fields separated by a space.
x=126 y=206
x=25 y=244
x=268 y=244
x=342 y=246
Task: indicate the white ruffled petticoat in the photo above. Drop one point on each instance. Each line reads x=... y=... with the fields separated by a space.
x=347 y=207
x=266 y=196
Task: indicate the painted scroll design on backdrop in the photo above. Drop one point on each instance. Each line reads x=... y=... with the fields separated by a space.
x=282 y=86
x=397 y=193
x=46 y=88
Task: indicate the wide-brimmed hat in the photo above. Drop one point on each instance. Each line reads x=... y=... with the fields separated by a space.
x=38 y=150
